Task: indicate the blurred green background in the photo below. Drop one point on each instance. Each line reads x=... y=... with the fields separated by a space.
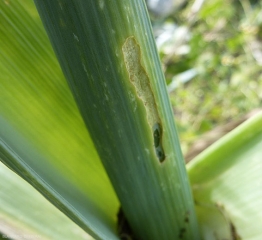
x=211 y=53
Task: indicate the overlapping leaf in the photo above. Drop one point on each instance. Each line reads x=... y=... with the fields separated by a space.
x=26 y=214
x=43 y=137
x=226 y=181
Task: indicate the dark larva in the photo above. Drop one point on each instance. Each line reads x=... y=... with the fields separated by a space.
x=157 y=134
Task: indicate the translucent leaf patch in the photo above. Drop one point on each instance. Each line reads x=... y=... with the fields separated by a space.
x=139 y=78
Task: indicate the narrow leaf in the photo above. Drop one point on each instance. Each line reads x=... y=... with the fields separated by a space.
x=108 y=55
x=42 y=136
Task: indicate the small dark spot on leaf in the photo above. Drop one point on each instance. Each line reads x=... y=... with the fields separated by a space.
x=181 y=233
x=123 y=228
x=234 y=233
x=186 y=219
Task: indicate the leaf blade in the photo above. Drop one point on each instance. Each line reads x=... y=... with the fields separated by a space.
x=227 y=178
x=89 y=40
x=42 y=128
x=28 y=220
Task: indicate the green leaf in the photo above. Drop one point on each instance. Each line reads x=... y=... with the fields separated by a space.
x=108 y=55
x=42 y=136
x=226 y=181
x=26 y=214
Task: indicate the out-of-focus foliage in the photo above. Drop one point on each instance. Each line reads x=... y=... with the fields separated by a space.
x=217 y=47
x=163 y=8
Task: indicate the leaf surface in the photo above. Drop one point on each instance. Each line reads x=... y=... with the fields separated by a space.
x=24 y=213
x=227 y=183
x=43 y=137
